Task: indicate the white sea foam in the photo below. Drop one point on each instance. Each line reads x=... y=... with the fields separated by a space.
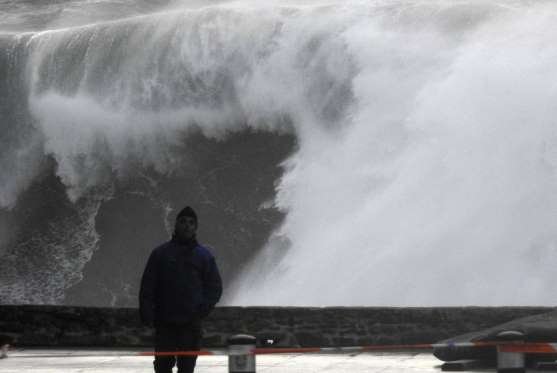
x=441 y=188
x=426 y=160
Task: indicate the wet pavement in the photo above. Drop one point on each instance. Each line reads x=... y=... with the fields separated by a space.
x=108 y=361
x=115 y=361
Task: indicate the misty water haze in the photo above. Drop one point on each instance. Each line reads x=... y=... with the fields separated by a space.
x=419 y=167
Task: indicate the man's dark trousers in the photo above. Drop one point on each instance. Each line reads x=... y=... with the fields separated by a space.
x=176 y=338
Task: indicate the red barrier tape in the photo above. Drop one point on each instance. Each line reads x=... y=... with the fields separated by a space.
x=181 y=353
x=287 y=350
x=504 y=346
x=530 y=348
x=539 y=348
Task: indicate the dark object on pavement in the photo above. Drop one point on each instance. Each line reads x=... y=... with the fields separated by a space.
x=5 y=341
x=537 y=328
x=465 y=365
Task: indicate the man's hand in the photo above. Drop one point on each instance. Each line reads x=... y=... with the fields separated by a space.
x=203 y=311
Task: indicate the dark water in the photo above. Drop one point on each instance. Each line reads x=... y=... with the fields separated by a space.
x=339 y=152
x=83 y=237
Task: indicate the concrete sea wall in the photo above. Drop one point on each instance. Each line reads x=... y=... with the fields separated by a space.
x=29 y=325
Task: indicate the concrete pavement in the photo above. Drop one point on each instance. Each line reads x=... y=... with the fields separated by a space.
x=122 y=361
x=109 y=361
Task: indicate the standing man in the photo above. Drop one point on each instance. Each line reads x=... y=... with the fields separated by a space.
x=180 y=286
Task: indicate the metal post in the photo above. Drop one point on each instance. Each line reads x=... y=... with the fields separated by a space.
x=510 y=361
x=4 y=351
x=240 y=356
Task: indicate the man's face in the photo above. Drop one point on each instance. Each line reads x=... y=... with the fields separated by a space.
x=185 y=227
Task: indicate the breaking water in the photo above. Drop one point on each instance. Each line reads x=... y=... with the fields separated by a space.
x=424 y=171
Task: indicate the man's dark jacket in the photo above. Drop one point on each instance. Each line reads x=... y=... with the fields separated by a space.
x=180 y=285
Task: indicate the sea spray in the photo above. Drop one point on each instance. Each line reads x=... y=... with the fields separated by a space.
x=424 y=169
